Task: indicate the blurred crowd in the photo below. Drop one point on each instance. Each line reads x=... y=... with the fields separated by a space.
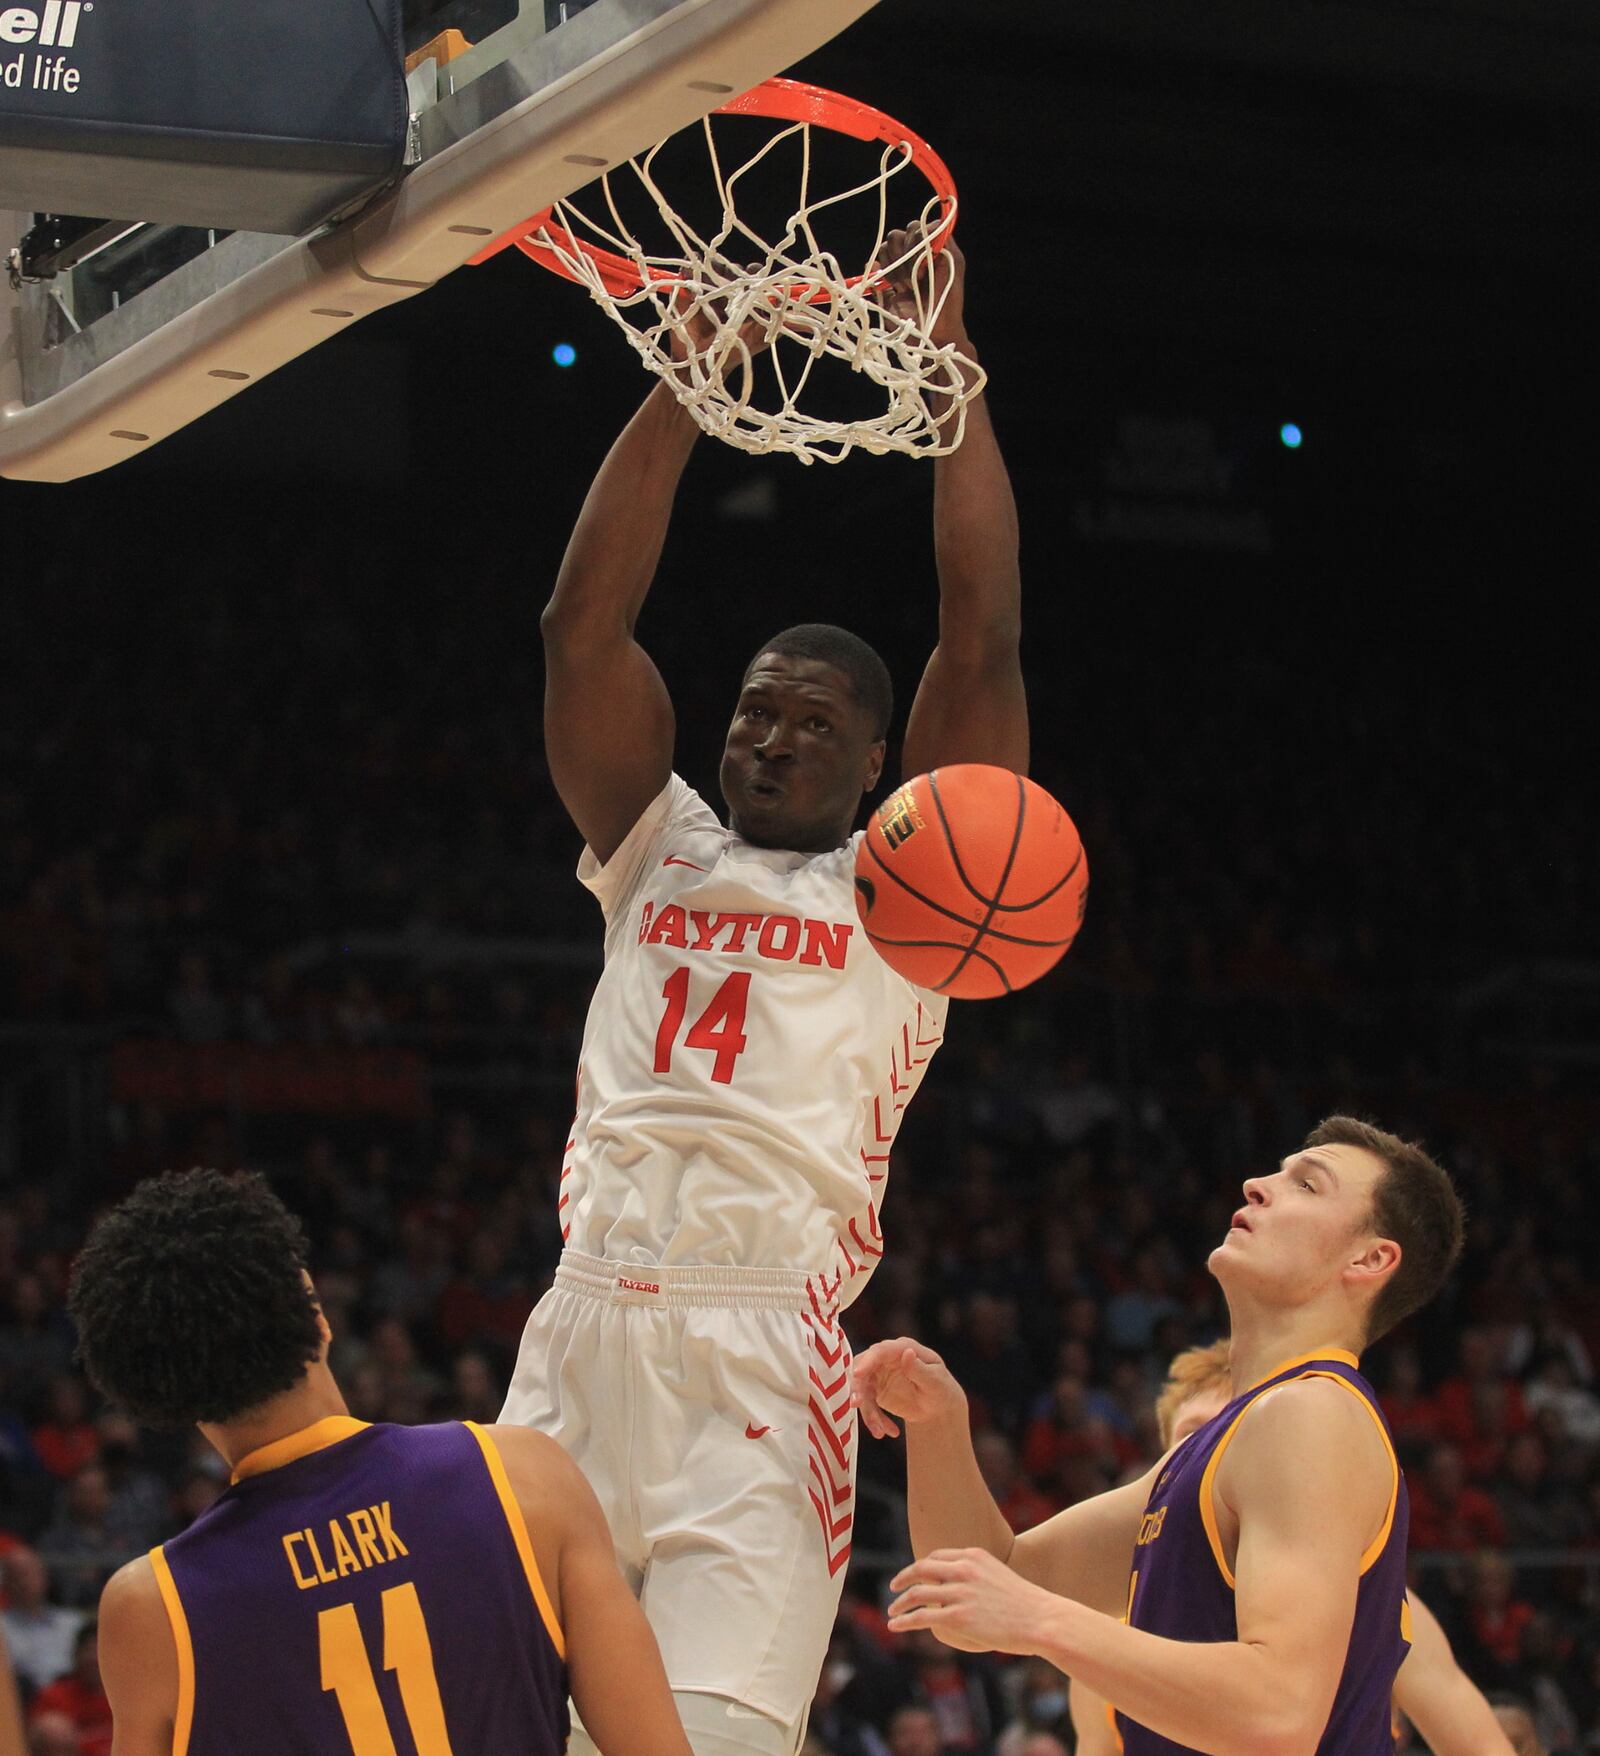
x=221 y=835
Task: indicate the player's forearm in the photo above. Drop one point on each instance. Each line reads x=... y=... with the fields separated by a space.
x=947 y=1501
x=1452 y=1714
x=976 y=544
x=1222 y=1697
x=1440 y=1699
x=626 y=1720
x=972 y=704
x=1091 y=1723
x=617 y=541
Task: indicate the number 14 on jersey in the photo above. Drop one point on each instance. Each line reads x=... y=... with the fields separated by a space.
x=719 y=1029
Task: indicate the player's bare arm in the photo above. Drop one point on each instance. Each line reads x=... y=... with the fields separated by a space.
x=1080 y=1553
x=1440 y=1699
x=971 y=705
x=1301 y=1494
x=608 y=721
x=946 y=1499
x=1092 y=1731
x=138 y=1662
x=614 y=1667
x=11 y=1738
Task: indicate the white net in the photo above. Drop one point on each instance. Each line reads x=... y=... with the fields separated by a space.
x=742 y=324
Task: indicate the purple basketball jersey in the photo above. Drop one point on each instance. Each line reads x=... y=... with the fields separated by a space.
x=1181 y=1589
x=364 y=1591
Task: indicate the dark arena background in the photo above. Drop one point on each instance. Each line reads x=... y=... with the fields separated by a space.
x=1284 y=311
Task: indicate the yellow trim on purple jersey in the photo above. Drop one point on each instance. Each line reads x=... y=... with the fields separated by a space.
x=519 y=1535
x=330 y=1430
x=1375 y=1547
x=183 y=1715
x=1342 y=1355
x=1208 y=1501
x=1208 y=1504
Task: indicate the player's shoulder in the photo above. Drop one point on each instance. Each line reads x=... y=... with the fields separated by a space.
x=1312 y=1397
x=678 y=827
x=1315 y=1420
x=1310 y=1442
x=556 y=1501
x=679 y=806
x=133 y=1584
x=533 y=1461
x=131 y=1604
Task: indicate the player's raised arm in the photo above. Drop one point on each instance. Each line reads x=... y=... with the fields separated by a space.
x=947 y=1501
x=614 y=1669
x=608 y=722
x=971 y=705
x=1440 y=1699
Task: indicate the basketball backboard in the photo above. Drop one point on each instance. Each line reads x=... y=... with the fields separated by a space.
x=125 y=333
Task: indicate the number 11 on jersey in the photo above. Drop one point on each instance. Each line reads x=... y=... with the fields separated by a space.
x=347 y=1674
x=720 y=1028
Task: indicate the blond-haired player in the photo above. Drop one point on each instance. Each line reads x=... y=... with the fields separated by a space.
x=743 y=1070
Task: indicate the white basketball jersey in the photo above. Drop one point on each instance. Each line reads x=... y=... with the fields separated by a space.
x=746 y=1059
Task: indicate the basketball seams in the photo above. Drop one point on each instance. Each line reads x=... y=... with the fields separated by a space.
x=1033 y=902
x=950 y=914
x=968 y=952
x=1005 y=871
x=955 y=852
x=1012 y=959
x=906 y=885
x=995 y=903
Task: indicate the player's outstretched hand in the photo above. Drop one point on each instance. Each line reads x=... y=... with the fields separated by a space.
x=910 y=288
x=903 y=1378
x=971 y=1600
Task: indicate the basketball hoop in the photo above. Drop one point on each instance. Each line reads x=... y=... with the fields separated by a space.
x=704 y=306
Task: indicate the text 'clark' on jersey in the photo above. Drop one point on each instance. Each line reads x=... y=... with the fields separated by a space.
x=746 y=1059
x=364 y=1589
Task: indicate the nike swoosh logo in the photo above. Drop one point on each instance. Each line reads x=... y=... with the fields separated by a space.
x=673 y=860
x=753 y=1432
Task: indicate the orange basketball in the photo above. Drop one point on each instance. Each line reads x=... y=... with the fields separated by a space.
x=971 y=880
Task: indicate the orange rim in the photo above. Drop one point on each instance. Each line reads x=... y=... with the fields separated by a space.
x=780 y=100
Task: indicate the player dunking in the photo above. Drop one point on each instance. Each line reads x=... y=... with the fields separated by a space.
x=1266 y=1606
x=360 y=1589
x=1431 y=1689
x=745 y=1062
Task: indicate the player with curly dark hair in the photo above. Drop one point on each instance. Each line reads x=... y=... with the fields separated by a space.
x=192 y=1300
x=455 y=1579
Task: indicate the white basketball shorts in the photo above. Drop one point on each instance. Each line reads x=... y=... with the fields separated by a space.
x=710 y=1410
